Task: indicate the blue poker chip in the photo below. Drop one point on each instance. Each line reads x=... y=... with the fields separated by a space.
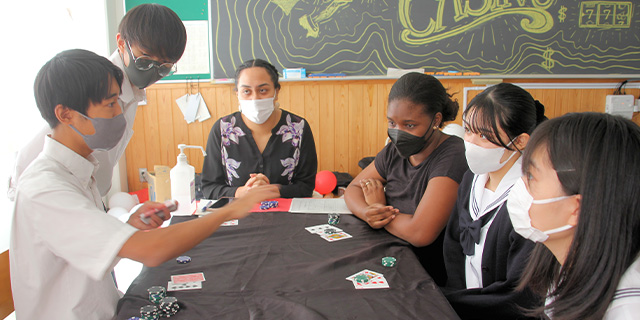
x=183 y=259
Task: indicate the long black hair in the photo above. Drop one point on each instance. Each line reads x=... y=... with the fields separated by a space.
x=506 y=106
x=271 y=70
x=595 y=155
x=426 y=91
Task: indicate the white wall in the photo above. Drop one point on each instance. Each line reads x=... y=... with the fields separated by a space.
x=32 y=33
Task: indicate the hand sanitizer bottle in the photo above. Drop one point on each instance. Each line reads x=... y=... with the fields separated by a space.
x=183 y=184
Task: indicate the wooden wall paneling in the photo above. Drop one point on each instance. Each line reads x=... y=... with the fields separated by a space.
x=6 y=297
x=209 y=96
x=312 y=112
x=180 y=128
x=342 y=132
x=136 y=152
x=167 y=147
x=356 y=107
x=326 y=135
x=370 y=118
x=297 y=99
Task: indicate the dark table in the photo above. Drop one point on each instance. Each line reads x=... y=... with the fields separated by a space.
x=270 y=267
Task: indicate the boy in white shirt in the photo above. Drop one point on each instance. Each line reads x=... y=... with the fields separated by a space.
x=63 y=244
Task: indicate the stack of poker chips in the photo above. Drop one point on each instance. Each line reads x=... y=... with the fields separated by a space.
x=361 y=278
x=156 y=293
x=330 y=231
x=334 y=219
x=264 y=205
x=183 y=259
x=389 y=261
x=169 y=306
x=149 y=312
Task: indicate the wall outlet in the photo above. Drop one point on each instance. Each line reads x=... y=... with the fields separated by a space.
x=621 y=105
x=142 y=172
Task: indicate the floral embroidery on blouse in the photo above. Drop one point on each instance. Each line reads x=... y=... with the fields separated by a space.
x=230 y=164
x=292 y=130
x=290 y=163
x=229 y=132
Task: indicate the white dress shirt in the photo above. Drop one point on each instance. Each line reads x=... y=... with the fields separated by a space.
x=487 y=201
x=128 y=100
x=63 y=244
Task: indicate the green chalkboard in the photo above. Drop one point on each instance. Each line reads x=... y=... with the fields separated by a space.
x=187 y=10
x=365 y=37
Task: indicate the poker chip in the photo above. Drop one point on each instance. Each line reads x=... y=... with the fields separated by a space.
x=265 y=205
x=183 y=259
x=169 y=306
x=149 y=312
x=389 y=261
x=334 y=219
x=330 y=231
x=156 y=293
x=361 y=278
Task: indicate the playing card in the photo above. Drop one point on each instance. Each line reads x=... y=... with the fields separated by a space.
x=319 y=229
x=189 y=277
x=373 y=283
x=370 y=274
x=184 y=286
x=233 y=222
x=335 y=236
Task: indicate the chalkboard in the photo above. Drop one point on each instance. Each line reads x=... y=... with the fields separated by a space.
x=365 y=37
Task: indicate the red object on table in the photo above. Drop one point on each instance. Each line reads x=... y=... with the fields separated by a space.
x=142 y=194
x=326 y=181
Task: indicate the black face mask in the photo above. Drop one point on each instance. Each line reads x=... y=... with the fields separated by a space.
x=139 y=78
x=408 y=144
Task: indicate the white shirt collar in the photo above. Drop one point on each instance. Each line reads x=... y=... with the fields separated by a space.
x=79 y=166
x=499 y=196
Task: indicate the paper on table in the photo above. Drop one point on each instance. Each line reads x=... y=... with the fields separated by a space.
x=310 y=205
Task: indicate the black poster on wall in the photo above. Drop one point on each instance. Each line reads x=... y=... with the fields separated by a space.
x=365 y=37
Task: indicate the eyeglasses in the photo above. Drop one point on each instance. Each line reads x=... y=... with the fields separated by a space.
x=144 y=63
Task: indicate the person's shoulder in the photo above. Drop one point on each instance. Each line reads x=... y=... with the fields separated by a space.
x=294 y=117
x=44 y=175
x=453 y=143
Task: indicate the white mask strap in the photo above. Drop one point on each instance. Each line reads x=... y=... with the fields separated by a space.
x=544 y=201
x=556 y=230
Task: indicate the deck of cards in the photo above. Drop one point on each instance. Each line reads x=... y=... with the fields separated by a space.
x=328 y=232
x=189 y=281
x=367 y=279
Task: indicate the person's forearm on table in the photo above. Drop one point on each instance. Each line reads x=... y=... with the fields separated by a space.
x=406 y=228
x=154 y=247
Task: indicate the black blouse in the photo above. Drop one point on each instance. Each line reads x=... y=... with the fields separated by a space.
x=289 y=158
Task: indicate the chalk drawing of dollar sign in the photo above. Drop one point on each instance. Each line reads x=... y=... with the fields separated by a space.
x=548 y=63
x=561 y=14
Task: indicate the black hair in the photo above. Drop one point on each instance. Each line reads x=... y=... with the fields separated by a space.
x=271 y=70
x=426 y=91
x=156 y=29
x=595 y=155
x=73 y=78
x=505 y=106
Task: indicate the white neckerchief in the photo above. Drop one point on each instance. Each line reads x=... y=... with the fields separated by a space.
x=478 y=209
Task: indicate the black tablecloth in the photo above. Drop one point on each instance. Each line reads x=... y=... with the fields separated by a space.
x=270 y=267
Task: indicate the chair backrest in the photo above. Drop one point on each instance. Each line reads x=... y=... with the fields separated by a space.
x=6 y=298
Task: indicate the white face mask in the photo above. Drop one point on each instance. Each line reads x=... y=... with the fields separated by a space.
x=257 y=111
x=484 y=160
x=518 y=205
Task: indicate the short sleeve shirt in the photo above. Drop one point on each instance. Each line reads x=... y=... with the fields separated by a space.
x=406 y=184
x=63 y=244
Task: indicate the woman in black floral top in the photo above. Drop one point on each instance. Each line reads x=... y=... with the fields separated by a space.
x=261 y=144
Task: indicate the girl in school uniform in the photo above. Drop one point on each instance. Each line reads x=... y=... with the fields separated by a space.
x=483 y=255
x=578 y=199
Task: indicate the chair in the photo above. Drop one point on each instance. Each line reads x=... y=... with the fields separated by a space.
x=6 y=298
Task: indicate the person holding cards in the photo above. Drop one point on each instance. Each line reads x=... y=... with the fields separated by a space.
x=578 y=200
x=63 y=244
x=260 y=144
x=483 y=255
x=411 y=186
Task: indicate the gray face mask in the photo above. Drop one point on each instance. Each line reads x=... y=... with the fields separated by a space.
x=108 y=133
x=140 y=78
